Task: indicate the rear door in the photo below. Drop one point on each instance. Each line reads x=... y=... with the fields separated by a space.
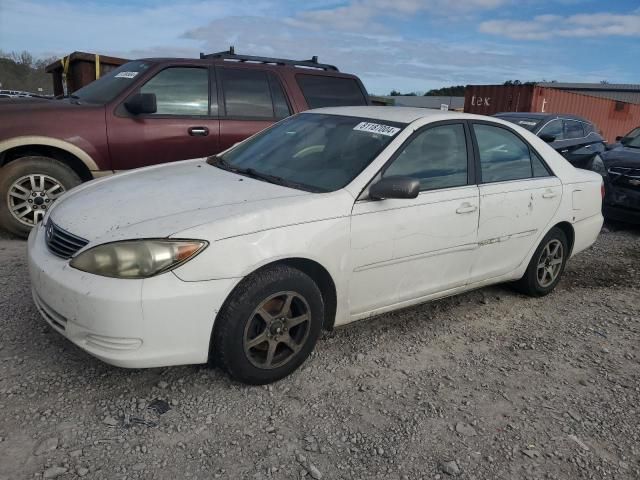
x=519 y=195
x=184 y=126
x=250 y=100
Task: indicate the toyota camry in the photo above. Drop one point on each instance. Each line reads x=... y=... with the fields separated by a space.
x=327 y=217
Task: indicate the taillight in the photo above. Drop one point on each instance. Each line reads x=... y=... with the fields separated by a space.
x=602 y=190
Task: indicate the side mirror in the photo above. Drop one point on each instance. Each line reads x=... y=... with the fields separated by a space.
x=141 y=103
x=619 y=137
x=395 y=187
x=546 y=137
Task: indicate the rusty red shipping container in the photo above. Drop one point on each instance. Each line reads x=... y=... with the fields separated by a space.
x=613 y=118
x=80 y=69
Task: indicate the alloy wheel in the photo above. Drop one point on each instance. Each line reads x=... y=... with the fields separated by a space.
x=550 y=263
x=277 y=330
x=30 y=197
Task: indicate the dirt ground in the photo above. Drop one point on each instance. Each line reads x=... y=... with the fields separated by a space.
x=486 y=385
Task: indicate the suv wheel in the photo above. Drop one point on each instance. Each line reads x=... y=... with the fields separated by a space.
x=28 y=187
x=269 y=325
x=546 y=265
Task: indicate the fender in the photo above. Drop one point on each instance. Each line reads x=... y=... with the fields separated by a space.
x=51 y=142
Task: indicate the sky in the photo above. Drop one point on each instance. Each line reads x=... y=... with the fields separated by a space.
x=407 y=45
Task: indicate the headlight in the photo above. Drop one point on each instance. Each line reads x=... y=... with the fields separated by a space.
x=597 y=165
x=137 y=258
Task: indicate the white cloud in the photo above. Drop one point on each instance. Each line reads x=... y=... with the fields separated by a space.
x=581 y=25
x=366 y=15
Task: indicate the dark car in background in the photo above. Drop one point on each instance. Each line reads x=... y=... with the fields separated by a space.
x=575 y=138
x=620 y=169
x=624 y=139
x=147 y=112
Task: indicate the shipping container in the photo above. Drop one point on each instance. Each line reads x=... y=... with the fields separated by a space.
x=611 y=117
x=78 y=69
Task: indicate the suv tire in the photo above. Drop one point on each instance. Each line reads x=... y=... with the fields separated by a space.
x=40 y=180
x=261 y=334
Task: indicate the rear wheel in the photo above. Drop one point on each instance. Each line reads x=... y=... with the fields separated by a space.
x=28 y=188
x=546 y=265
x=269 y=325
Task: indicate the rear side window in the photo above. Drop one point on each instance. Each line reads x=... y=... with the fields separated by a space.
x=503 y=156
x=253 y=94
x=573 y=129
x=320 y=91
x=554 y=127
x=180 y=91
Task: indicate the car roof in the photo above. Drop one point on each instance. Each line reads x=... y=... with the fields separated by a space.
x=540 y=116
x=395 y=114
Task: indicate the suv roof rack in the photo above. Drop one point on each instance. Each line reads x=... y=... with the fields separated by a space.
x=231 y=55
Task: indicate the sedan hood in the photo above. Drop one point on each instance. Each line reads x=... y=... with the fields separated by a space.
x=162 y=200
x=622 y=157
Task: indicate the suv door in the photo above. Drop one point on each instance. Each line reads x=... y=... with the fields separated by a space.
x=519 y=195
x=404 y=249
x=184 y=126
x=250 y=100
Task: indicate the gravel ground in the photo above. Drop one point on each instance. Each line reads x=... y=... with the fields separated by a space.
x=486 y=385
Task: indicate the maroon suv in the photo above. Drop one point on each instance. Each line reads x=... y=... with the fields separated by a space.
x=151 y=111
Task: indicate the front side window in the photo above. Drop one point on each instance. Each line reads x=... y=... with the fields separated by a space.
x=311 y=152
x=323 y=91
x=503 y=156
x=436 y=156
x=555 y=128
x=181 y=91
x=573 y=129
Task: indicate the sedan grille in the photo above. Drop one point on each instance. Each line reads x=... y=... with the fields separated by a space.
x=62 y=243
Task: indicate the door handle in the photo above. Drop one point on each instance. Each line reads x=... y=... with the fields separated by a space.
x=466 y=208
x=549 y=194
x=564 y=151
x=198 y=131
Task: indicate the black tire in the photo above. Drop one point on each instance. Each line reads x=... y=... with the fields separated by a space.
x=239 y=314
x=530 y=284
x=21 y=167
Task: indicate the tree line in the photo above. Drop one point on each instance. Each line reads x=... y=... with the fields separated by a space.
x=22 y=71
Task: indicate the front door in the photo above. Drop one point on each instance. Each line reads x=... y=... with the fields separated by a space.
x=518 y=198
x=403 y=249
x=184 y=126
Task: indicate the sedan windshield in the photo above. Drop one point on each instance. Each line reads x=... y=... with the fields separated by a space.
x=632 y=139
x=312 y=151
x=107 y=87
x=524 y=122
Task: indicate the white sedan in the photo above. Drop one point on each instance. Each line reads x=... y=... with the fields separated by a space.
x=327 y=217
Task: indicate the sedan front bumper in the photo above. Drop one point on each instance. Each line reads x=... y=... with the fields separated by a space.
x=154 y=322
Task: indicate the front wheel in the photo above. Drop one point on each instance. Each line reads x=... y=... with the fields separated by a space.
x=28 y=188
x=546 y=265
x=269 y=325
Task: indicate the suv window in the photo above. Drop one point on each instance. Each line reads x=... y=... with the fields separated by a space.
x=554 y=128
x=180 y=91
x=320 y=91
x=503 y=156
x=253 y=94
x=573 y=129
x=436 y=156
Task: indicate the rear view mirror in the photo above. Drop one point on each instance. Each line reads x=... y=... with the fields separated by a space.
x=395 y=187
x=141 y=103
x=546 y=137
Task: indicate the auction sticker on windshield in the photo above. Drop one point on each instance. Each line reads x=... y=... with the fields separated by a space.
x=377 y=128
x=126 y=75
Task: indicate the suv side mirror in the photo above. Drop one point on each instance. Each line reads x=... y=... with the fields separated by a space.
x=546 y=137
x=619 y=137
x=141 y=103
x=395 y=187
